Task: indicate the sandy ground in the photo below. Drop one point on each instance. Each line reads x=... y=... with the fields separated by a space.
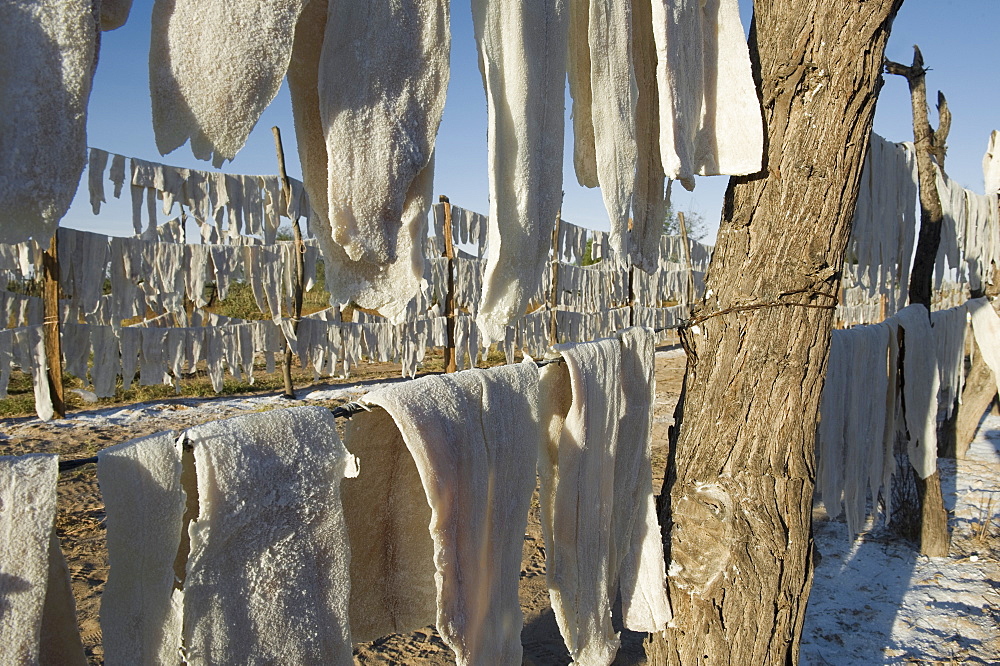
x=873 y=601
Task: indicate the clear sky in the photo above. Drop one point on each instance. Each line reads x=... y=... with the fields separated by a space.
x=958 y=39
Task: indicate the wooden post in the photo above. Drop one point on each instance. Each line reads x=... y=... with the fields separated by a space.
x=50 y=328
x=554 y=291
x=935 y=541
x=631 y=294
x=450 y=353
x=687 y=259
x=298 y=278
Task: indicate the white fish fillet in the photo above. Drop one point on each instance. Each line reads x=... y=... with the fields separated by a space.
x=38 y=622
x=114 y=13
x=214 y=66
x=680 y=74
x=140 y=610
x=386 y=287
x=383 y=77
x=637 y=564
x=614 y=98
x=991 y=164
x=920 y=387
x=986 y=328
x=43 y=111
x=386 y=512
x=522 y=56
x=576 y=468
x=476 y=467
x=710 y=118
x=731 y=138
x=649 y=205
x=268 y=570
x=578 y=70
x=303 y=74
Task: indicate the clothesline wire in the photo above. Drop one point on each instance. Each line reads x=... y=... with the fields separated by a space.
x=686 y=326
x=756 y=306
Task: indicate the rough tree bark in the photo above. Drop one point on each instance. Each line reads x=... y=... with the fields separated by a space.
x=929 y=519
x=736 y=506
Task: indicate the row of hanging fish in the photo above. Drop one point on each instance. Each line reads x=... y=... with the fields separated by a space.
x=888 y=381
x=858 y=306
x=159 y=276
x=225 y=206
x=646 y=83
x=370 y=535
x=880 y=249
x=970 y=235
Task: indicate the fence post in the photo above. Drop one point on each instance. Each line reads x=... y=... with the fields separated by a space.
x=554 y=291
x=450 y=355
x=687 y=259
x=50 y=327
x=631 y=293
x=298 y=278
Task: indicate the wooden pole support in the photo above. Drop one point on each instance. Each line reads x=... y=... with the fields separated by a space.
x=50 y=329
x=298 y=277
x=631 y=294
x=554 y=290
x=450 y=355
x=687 y=260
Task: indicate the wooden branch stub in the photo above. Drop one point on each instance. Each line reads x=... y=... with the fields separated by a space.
x=939 y=139
x=914 y=70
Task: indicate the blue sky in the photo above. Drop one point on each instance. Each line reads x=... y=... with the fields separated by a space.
x=957 y=37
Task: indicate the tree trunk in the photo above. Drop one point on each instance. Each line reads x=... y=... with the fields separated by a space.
x=933 y=526
x=737 y=503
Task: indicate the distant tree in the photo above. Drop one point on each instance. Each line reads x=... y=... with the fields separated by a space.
x=284 y=233
x=695 y=223
x=588 y=255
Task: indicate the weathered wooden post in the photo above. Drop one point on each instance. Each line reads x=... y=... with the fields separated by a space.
x=298 y=277
x=450 y=353
x=554 y=290
x=50 y=328
x=687 y=259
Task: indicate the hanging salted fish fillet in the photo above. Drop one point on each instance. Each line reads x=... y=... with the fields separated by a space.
x=303 y=74
x=522 y=56
x=614 y=107
x=214 y=66
x=991 y=164
x=383 y=76
x=95 y=177
x=578 y=69
x=710 y=118
x=731 y=139
x=651 y=200
x=386 y=287
x=114 y=13
x=43 y=111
